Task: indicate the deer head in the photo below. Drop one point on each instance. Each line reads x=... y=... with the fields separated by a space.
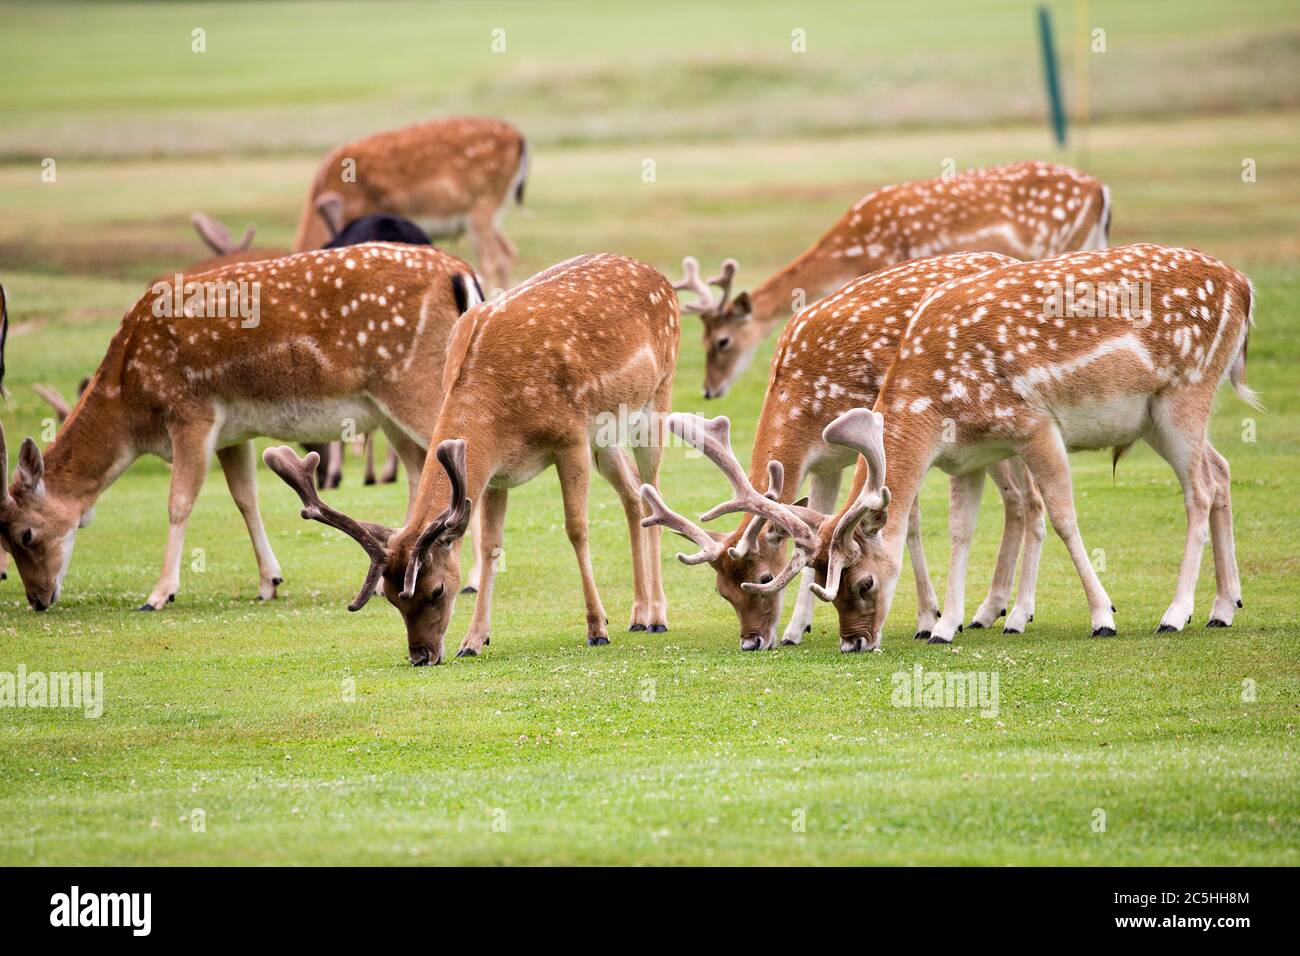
x=747 y=570
x=846 y=552
x=730 y=334
x=37 y=527
x=420 y=573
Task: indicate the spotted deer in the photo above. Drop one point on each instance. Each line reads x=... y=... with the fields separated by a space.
x=354 y=334
x=1088 y=350
x=534 y=377
x=1026 y=210
x=832 y=357
x=447 y=175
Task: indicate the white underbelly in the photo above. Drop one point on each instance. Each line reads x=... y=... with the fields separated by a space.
x=316 y=421
x=1100 y=424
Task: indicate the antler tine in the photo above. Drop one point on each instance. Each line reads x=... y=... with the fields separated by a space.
x=713 y=438
x=691 y=282
x=55 y=400
x=4 y=467
x=724 y=279
x=661 y=514
x=213 y=233
x=749 y=540
x=298 y=474
x=863 y=431
x=798 y=561
x=453 y=520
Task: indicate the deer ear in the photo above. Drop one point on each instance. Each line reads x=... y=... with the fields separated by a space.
x=329 y=206
x=31 y=467
x=741 y=306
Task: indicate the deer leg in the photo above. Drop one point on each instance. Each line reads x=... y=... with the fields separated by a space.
x=389 y=473
x=191 y=451
x=239 y=464
x=1009 y=485
x=1227 y=580
x=506 y=251
x=482 y=238
x=825 y=493
x=648 y=456
x=1184 y=452
x=369 y=447
x=334 y=474
x=1049 y=464
x=574 y=466
x=491 y=531
x=412 y=455
x=963 y=510
x=615 y=466
x=1035 y=532
x=927 y=602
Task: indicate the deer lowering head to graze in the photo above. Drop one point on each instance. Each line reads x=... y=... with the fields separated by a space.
x=1089 y=350
x=1026 y=210
x=448 y=175
x=832 y=357
x=559 y=371
x=293 y=348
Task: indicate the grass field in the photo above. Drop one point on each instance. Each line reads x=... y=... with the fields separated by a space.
x=299 y=730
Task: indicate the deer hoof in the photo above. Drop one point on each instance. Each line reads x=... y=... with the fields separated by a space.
x=975 y=626
x=146 y=607
x=1011 y=630
x=467 y=652
x=1104 y=632
x=638 y=627
x=921 y=636
x=277 y=581
x=469 y=589
x=1239 y=604
x=597 y=641
x=1215 y=622
x=1166 y=629
x=658 y=628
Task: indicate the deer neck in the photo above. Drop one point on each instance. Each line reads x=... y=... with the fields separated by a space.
x=821 y=268
x=91 y=450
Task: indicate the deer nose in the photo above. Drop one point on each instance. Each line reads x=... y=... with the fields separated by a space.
x=708 y=392
x=36 y=603
x=751 y=642
x=423 y=656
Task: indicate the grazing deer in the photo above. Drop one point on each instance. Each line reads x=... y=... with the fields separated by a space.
x=1088 y=350
x=534 y=377
x=357 y=333
x=830 y=358
x=446 y=175
x=1027 y=210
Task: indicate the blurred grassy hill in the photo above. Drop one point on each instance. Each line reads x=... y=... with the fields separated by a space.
x=96 y=79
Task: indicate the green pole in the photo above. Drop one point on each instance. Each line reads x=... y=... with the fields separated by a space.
x=1050 y=75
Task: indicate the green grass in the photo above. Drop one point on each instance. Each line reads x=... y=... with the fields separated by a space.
x=238 y=709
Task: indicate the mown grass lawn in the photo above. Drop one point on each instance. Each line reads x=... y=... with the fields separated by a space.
x=298 y=732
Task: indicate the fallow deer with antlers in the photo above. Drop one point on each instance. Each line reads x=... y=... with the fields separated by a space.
x=1088 y=350
x=447 y=175
x=832 y=357
x=534 y=378
x=1027 y=210
x=357 y=333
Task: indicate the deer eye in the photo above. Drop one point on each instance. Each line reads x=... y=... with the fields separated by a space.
x=723 y=343
x=27 y=538
x=866 y=584
x=765 y=578
x=436 y=593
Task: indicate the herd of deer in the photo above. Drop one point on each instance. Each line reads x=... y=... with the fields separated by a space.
x=977 y=322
